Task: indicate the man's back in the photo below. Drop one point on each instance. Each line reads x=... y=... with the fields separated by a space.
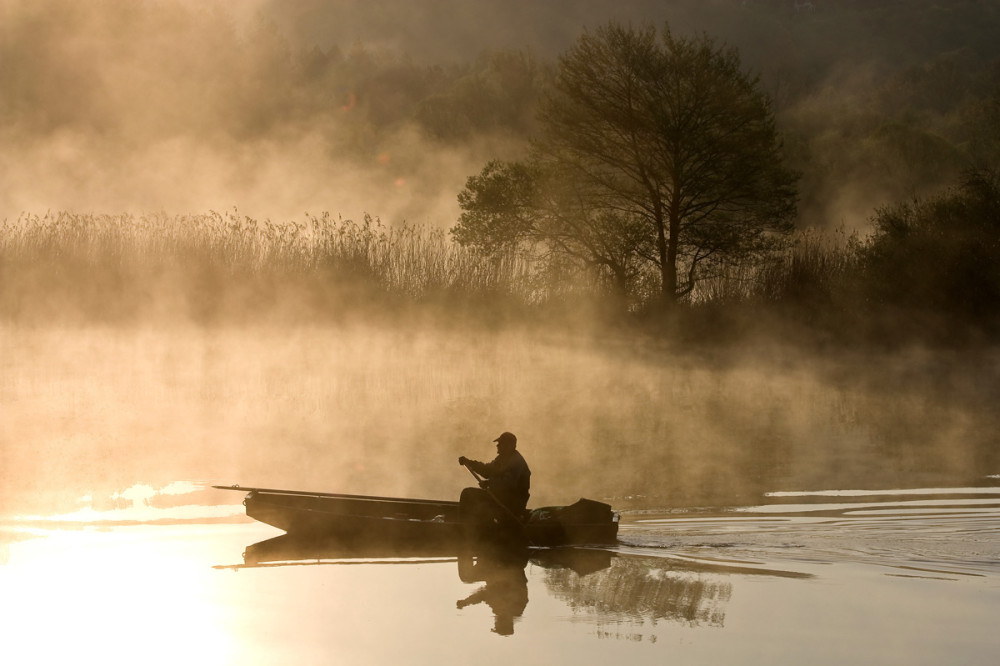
x=509 y=477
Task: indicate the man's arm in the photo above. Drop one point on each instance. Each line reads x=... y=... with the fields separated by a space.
x=480 y=468
x=485 y=470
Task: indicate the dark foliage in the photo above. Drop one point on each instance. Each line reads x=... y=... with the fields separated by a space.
x=940 y=256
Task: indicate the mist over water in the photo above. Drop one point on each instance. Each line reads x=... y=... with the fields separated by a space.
x=387 y=411
x=281 y=108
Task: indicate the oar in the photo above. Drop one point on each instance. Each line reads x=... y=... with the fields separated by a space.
x=510 y=513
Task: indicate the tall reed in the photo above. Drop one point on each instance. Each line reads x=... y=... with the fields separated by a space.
x=224 y=264
x=106 y=263
x=817 y=269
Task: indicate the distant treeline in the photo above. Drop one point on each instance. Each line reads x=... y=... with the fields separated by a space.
x=877 y=101
x=929 y=272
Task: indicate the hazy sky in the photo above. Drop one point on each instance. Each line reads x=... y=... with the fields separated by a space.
x=182 y=105
x=123 y=105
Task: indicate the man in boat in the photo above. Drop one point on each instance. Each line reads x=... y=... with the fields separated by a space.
x=502 y=494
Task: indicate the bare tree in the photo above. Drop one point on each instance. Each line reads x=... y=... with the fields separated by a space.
x=653 y=149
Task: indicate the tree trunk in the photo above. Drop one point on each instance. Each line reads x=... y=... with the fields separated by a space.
x=666 y=242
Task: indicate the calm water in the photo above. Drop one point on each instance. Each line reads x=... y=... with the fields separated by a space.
x=733 y=547
x=910 y=577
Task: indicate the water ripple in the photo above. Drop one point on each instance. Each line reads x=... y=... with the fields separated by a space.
x=938 y=532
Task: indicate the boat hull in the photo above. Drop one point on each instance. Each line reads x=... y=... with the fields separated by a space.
x=391 y=520
x=356 y=519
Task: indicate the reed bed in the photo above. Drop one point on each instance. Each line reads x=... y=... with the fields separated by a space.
x=816 y=270
x=224 y=265
x=100 y=266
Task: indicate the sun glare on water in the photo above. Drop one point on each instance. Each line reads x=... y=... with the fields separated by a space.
x=114 y=585
x=121 y=597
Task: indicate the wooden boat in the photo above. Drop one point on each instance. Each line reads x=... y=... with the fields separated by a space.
x=369 y=519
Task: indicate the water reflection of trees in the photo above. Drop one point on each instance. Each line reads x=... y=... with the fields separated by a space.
x=644 y=589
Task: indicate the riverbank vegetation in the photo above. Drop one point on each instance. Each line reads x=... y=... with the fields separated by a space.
x=928 y=272
x=874 y=212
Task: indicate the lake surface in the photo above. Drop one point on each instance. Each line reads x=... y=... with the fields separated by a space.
x=778 y=507
x=908 y=577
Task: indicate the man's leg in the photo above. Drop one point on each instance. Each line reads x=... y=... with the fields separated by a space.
x=476 y=506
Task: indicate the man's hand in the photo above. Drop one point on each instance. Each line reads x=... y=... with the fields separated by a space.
x=462 y=460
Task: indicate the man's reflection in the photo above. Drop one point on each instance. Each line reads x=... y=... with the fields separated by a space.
x=506 y=585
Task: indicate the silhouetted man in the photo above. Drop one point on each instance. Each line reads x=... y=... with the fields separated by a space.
x=503 y=495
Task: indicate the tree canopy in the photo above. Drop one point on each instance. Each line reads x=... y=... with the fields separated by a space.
x=657 y=155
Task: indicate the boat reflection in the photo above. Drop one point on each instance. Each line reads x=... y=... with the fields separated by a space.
x=500 y=569
x=610 y=586
x=289 y=550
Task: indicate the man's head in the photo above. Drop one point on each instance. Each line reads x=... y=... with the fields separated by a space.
x=503 y=625
x=506 y=442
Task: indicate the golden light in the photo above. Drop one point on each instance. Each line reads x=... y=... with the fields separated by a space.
x=130 y=584
x=123 y=596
